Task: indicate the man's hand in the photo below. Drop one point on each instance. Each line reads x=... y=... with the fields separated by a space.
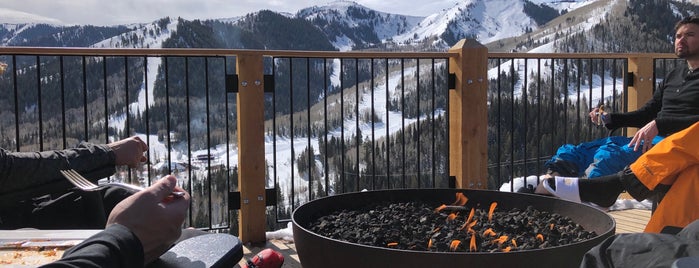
x=129 y=151
x=154 y=215
x=644 y=137
x=595 y=115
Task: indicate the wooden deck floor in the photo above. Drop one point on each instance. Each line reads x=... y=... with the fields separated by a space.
x=627 y=221
x=630 y=220
x=288 y=249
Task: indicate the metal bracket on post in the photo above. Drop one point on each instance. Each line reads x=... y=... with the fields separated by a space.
x=452 y=182
x=235 y=202
x=269 y=83
x=232 y=83
x=451 y=81
x=270 y=196
x=629 y=79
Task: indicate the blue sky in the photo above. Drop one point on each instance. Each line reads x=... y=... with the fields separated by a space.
x=104 y=12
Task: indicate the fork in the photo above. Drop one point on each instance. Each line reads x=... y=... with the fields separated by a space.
x=84 y=184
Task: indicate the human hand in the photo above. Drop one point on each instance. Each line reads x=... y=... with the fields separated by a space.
x=599 y=116
x=644 y=137
x=129 y=151
x=154 y=215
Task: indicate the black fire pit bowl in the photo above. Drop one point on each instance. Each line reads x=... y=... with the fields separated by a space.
x=318 y=251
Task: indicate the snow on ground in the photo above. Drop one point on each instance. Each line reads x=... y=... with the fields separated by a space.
x=286 y=234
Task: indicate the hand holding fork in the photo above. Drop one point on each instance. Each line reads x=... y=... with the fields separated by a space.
x=86 y=185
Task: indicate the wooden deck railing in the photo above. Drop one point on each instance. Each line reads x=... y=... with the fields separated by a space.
x=468 y=105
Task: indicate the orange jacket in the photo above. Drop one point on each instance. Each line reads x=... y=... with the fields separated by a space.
x=674 y=161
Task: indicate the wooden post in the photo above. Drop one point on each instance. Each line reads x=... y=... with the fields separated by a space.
x=642 y=89
x=251 y=144
x=468 y=117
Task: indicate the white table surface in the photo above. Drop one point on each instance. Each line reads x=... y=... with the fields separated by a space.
x=29 y=234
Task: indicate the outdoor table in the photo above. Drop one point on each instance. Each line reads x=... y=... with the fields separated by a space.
x=207 y=250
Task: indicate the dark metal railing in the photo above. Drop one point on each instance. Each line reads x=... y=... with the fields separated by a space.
x=335 y=122
x=542 y=104
x=54 y=102
x=182 y=106
x=357 y=162
x=554 y=117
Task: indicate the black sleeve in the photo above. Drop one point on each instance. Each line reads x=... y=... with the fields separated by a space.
x=116 y=246
x=640 y=117
x=644 y=249
x=669 y=125
x=23 y=170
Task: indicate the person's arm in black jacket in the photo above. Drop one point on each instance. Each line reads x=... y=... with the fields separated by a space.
x=24 y=170
x=116 y=246
x=639 y=117
x=668 y=125
x=140 y=229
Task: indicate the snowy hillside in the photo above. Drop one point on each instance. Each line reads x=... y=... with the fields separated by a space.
x=349 y=25
x=148 y=34
x=547 y=47
x=487 y=21
x=343 y=18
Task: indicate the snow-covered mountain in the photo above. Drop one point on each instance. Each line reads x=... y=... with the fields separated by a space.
x=483 y=20
x=348 y=25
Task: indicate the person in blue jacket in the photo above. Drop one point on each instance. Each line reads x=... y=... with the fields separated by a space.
x=674 y=107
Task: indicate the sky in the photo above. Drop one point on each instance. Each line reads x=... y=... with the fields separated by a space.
x=114 y=12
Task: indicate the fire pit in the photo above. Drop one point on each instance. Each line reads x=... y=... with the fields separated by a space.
x=319 y=251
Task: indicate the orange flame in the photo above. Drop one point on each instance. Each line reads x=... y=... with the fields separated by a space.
x=461 y=199
x=514 y=242
x=469 y=221
x=454 y=244
x=451 y=216
x=551 y=227
x=540 y=237
x=392 y=244
x=507 y=249
x=489 y=232
x=468 y=225
x=470 y=215
x=492 y=209
x=438 y=209
x=500 y=240
x=472 y=246
x=429 y=243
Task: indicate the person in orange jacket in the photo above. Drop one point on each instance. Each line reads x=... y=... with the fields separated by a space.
x=669 y=170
